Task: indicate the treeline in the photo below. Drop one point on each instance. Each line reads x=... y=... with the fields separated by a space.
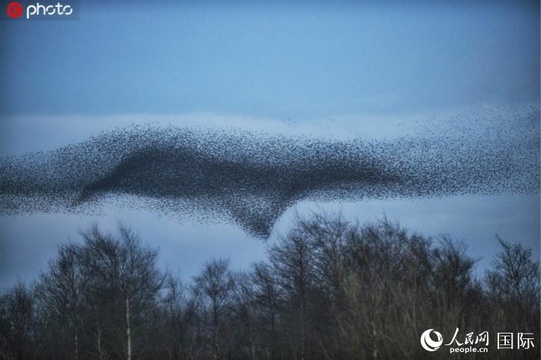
x=330 y=289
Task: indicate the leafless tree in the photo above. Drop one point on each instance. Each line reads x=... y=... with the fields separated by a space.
x=127 y=271
x=61 y=294
x=17 y=323
x=269 y=301
x=214 y=288
x=293 y=263
x=330 y=289
x=513 y=285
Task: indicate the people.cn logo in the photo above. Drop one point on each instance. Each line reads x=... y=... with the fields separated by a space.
x=39 y=10
x=428 y=343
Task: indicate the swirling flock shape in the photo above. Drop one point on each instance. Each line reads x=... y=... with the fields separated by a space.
x=252 y=178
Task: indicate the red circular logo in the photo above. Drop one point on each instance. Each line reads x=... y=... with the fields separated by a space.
x=15 y=10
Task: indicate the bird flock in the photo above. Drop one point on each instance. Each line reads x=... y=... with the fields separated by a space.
x=251 y=179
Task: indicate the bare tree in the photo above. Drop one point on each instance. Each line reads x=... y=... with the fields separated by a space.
x=456 y=295
x=214 y=287
x=331 y=289
x=61 y=298
x=179 y=320
x=245 y=316
x=268 y=298
x=128 y=270
x=387 y=291
x=293 y=261
x=329 y=235
x=17 y=323
x=513 y=283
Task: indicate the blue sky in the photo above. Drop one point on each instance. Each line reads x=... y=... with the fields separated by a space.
x=284 y=60
x=335 y=69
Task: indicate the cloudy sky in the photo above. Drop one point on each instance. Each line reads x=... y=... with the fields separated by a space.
x=329 y=70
